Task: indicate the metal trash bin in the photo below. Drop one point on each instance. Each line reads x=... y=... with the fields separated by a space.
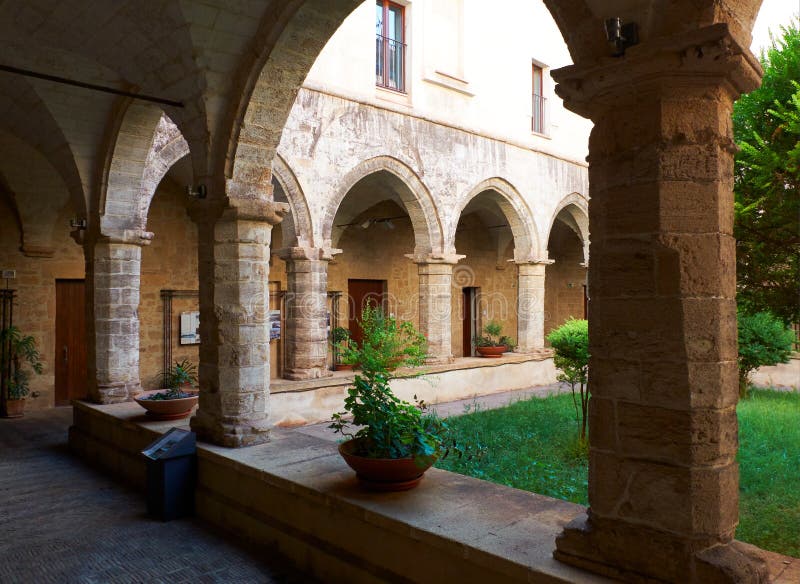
x=171 y=474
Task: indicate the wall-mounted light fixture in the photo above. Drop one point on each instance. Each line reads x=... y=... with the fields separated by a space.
x=198 y=192
x=78 y=223
x=621 y=35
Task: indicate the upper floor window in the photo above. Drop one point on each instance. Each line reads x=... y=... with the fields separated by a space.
x=539 y=101
x=390 y=47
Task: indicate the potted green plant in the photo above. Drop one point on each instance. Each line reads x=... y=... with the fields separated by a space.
x=493 y=343
x=340 y=339
x=395 y=441
x=21 y=355
x=177 y=398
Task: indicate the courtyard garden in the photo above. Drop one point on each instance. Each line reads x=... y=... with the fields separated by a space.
x=534 y=445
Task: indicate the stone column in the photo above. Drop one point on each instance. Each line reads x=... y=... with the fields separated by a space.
x=435 y=306
x=530 y=305
x=663 y=477
x=115 y=277
x=233 y=266
x=306 y=334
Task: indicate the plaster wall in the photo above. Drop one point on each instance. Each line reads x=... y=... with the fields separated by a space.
x=35 y=306
x=468 y=64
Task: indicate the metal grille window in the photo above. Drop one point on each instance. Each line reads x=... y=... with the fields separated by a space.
x=539 y=101
x=390 y=48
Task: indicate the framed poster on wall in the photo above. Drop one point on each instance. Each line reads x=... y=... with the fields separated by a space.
x=190 y=328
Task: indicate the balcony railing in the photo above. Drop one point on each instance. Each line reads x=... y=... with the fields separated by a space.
x=390 y=64
x=538 y=115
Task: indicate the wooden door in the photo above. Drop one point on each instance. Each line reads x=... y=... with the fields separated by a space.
x=468 y=326
x=70 y=353
x=361 y=293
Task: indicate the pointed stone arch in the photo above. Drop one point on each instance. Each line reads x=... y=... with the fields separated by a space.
x=515 y=210
x=121 y=204
x=414 y=196
x=168 y=147
x=573 y=210
x=269 y=86
x=298 y=231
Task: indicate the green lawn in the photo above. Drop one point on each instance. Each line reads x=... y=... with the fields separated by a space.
x=532 y=445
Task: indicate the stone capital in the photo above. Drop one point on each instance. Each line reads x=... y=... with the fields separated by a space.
x=307 y=253
x=449 y=258
x=233 y=209
x=709 y=55
x=534 y=262
x=126 y=236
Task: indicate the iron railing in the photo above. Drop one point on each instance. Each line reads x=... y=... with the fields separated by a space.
x=538 y=115
x=390 y=63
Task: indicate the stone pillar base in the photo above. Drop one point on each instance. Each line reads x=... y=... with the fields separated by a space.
x=441 y=360
x=230 y=432
x=651 y=556
x=114 y=393
x=302 y=374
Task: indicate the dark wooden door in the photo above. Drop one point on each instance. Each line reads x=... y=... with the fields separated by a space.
x=469 y=328
x=70 y=354
x=362 y=293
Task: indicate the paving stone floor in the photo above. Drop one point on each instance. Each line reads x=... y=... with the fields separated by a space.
x=62 y=521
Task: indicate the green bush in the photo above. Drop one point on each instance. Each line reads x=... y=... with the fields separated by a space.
x=763 y=340
x=386 y=343
x=388 y=427
x=570 y=342
x=493 y=337
x=22 y=353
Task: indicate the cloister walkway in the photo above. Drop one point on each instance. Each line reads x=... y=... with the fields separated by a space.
x=63 y=522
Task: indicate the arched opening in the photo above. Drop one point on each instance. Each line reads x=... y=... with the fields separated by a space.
x=377 y=225
x=566 y=292
x=494 y=231
x=168 y=298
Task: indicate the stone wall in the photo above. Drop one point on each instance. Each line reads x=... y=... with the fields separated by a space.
x=35 y=308
x=565 y=278
x=169 y=262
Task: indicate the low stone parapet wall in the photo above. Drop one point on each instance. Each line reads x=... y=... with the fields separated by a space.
x=295 y=495
x=296 y=403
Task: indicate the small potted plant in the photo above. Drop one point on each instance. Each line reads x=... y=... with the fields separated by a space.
x=396 y=441
x=340 y=339
x=493 y=343
x=177 y=398
x=21 y=355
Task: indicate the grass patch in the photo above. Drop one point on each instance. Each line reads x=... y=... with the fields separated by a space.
x=769 y=469
x=532 y=445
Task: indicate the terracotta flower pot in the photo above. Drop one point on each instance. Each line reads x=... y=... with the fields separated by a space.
x=15 y=408
x=343 y=367
x=492 y=352
x=167 y=409
x=383 y=474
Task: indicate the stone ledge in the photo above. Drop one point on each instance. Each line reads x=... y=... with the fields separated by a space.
x=340 y=378
x=295 y=493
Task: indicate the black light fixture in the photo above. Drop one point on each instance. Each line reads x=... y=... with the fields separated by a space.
x=621 y=35
x=198 y=192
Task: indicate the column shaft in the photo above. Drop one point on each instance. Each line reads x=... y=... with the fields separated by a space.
x=115 y=280
x=306 y=318
x=663 y=476
x=234 y=324
x=530 y=307
x=435 y=309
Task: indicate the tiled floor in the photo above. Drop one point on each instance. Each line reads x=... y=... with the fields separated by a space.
x=61 y=521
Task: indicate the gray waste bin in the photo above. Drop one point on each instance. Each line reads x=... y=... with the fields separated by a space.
x=171 y=474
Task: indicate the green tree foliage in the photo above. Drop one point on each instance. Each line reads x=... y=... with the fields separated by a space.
x=767 y=184
x=763 y=340
x=388 y=426
x=570 y=342
x=22 y=353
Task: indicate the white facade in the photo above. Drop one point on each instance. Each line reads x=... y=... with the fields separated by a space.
x=469 y=65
